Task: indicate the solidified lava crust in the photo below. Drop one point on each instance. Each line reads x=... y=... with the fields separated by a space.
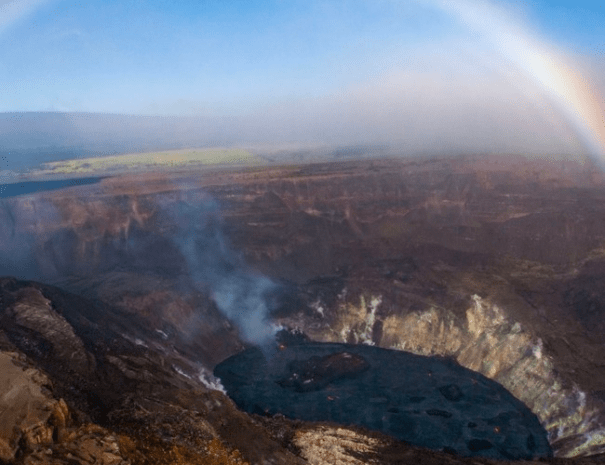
x=426 y=401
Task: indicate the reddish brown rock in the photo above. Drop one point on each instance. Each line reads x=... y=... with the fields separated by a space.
x=493 y=261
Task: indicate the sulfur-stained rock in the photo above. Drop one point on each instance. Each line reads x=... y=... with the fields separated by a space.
x=26 y=407
x=86 y=445
x=60 y=419
x=91 y=444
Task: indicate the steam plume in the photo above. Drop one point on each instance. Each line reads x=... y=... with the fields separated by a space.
x=188 y=233
x=239 y=293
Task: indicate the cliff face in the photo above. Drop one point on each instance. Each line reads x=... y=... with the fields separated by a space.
x=80 y=389
x=494 y=263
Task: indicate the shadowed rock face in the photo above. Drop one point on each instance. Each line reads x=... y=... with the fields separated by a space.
x=496 y=264
x=425 y=401
x=80 y=388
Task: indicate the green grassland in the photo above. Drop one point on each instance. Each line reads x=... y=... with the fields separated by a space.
x=152 y=160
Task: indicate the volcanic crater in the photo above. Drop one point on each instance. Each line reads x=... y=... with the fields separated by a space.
x=129 y=292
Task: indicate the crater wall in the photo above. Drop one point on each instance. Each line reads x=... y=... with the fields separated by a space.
x=492 y=264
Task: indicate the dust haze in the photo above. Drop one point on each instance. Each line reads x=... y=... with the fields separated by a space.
x=449 y=102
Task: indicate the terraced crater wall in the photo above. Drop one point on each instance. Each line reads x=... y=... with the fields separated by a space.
x=488 y=342
x=461 y=258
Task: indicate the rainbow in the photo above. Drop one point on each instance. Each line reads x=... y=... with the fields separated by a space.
x=571 y=92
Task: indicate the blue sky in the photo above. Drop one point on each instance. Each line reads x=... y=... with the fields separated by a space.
x=212 y=56
x=222 y=57
x=277 y=57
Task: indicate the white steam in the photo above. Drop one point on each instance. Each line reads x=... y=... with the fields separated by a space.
x=239 y=292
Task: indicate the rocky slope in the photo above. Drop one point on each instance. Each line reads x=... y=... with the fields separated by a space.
x=496 y=263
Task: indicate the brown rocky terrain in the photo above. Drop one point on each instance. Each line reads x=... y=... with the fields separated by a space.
x=496 y=263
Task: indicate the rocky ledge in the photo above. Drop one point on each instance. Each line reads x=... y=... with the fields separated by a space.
x=137 y=402
x=496 y=264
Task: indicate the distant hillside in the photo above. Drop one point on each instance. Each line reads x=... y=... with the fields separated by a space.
x=29 y=139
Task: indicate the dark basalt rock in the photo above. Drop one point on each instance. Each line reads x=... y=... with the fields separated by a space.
x=451 y=392
x=426 y=401
x=438 y=413
x=476 y=445
x=317 y=372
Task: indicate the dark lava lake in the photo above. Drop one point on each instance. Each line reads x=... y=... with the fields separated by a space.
x=426 y=401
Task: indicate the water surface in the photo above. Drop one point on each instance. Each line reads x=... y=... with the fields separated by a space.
x=30 y=187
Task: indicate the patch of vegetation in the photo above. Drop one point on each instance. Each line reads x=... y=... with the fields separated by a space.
x=169 y=158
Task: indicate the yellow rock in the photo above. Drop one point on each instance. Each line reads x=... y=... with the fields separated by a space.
x=25 y=409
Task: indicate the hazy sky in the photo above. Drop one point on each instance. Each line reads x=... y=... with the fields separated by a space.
x=420 y=72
